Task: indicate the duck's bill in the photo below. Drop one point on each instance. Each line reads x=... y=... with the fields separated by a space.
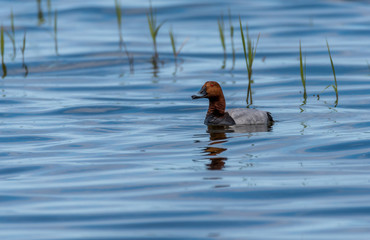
x=201 y=94
x=197 y=96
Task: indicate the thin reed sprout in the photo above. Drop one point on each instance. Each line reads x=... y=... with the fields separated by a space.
x=11 y=35
x=302 y=66
x=335 y=85
x=221 y=30
x=173 y=44
x=249 y=54
x=117 y=5
x=49 y=11
x=122 y=43
x=232 y=39
x=56 y=31
x=153 y=28
x=175 y=51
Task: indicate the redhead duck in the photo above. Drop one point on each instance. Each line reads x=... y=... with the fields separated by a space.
x=217 y=115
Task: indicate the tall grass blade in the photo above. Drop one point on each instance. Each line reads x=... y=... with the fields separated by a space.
x=232 y=39
x=56 y=31
x=2 y=43
x=221 y=29
x=302 y=66
x=117 y=5
x=335 y=86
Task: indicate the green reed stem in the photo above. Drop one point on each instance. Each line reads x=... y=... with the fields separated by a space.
x=40 y=15
x=2 y=43
x=117 y=5
x=173 y=43
x=49 y=11
x=153 y=28
x=335 y=85
x=221 y=29
x=232 y=39
x=122 y=43
x=23 y=49
x=56 y=31
x=249 y=54
x=12 y=34
x=302 y=66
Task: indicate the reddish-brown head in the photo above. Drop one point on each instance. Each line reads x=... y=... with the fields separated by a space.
x=210 y=90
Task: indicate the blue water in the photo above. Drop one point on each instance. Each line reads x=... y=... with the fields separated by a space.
x=92 y=150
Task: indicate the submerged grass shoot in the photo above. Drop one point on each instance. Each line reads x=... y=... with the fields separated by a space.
x=249 y=54
x=153 y=28
x=221 y=30
x=302 y=66
x=335 y=85
x=232 y=39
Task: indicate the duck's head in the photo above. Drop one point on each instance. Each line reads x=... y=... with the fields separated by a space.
x=209 y=90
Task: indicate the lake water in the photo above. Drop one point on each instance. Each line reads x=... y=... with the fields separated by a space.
x=92 y=150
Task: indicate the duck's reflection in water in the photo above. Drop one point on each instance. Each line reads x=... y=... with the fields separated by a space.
x=217 y=135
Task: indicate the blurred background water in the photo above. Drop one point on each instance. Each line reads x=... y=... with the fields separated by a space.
x=92 y=150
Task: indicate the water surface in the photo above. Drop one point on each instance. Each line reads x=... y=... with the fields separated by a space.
x=90 y=150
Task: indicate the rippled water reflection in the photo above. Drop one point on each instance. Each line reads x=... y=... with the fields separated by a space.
x=90 y=150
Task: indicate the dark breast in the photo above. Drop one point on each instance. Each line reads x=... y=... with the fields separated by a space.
x=223 y=120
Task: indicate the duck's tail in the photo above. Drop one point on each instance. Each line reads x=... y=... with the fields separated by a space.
x=270 y=117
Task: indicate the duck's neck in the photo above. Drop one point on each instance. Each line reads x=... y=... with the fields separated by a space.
x=217 y=106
